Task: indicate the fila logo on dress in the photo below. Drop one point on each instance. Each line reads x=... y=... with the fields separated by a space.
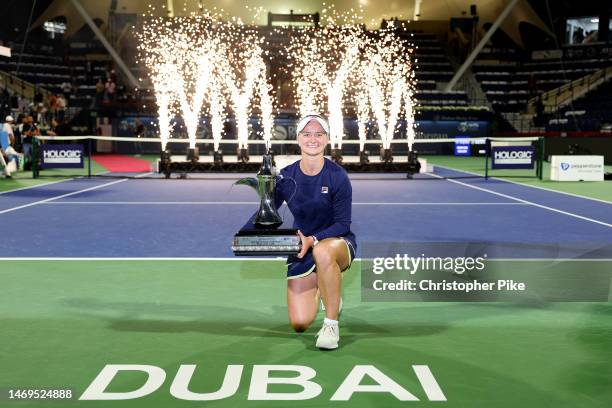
x=324 y=190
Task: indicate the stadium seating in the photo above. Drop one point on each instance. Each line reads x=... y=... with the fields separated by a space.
x=509 y=78
x=589 y=113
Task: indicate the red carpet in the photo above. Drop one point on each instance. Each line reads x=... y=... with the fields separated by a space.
x=120 y=163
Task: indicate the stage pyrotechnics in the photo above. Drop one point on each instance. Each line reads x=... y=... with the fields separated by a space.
x=206 y=67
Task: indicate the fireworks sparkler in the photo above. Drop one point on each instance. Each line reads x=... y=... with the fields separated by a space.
x=206 y=65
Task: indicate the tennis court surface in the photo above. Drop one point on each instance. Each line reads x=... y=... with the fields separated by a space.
x=140 y=272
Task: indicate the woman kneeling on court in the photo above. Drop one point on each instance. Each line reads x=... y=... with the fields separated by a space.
x=320 y=201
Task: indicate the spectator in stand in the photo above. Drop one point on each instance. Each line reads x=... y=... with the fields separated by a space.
x=38 y=97
x=539 y=110
x=24 y=103
x=15 y=103
x=111 y=90
x=99 y=92
x=591 y=37
x=17 y=126
x=532 y=84
x=61 y=129
x=579 y=36
x=67 y=90
x=140 y=131
x=51 y=107
x=51 y=130
x=62 y=104
x=41 y=114
x=20 y=125
x=29 y=131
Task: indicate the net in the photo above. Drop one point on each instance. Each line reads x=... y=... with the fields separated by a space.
x=100 y=156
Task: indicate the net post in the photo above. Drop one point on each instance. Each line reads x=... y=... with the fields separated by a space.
x=487 y=153
x=541 y=158
x=34 y=158
x=89 y=157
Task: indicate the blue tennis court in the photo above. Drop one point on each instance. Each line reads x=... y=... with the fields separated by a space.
x=196 y=218
x=141 y=271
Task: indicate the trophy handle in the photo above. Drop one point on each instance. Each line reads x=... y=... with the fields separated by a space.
x=249 y=181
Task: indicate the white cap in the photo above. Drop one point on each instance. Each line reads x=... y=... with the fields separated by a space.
x=9 y=118
x=306 y=120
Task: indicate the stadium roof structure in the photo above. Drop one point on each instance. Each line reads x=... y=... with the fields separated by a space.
x=374 y=11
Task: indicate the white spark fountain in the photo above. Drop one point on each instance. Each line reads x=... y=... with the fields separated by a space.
x=323 y=62
x=246 y=80
x=386 y=76
x=200 y=64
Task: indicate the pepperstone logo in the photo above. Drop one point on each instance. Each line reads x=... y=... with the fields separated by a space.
x=565 y=166
x=301 y=376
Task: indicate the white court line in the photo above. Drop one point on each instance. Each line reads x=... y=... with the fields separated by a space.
x=53 y=182
x=277 y=259
x=518 y=183
x=605 y=224
x=47 y=200
x=61 y=196
x=37 y=185
x=254 y=203
x=140 y=259
x=551 y=259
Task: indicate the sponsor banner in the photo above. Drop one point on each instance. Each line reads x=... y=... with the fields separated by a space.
x=577 y=168
x=68 y=156
x=284 y=128
x=587 y=51
x=512 y=157
x=462 y=146
x=443 y=129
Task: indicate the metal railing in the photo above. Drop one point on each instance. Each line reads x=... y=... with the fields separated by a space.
x=559 y=97
x=22 y=87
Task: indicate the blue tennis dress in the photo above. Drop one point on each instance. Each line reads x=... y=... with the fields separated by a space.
x=321 y=206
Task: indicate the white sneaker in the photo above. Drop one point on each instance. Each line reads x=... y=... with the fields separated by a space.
x=328 y=337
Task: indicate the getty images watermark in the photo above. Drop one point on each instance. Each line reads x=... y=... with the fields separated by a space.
x=472 y=271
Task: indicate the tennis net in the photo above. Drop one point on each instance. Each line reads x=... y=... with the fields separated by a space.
x=101 y=156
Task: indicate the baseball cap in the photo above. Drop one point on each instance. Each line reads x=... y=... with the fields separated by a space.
x=9 y=118
x=306 y=120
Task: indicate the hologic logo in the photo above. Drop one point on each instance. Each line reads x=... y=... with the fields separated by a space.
x=62 y=154
x=301 y=378
x=513 y=154
x=565 y=166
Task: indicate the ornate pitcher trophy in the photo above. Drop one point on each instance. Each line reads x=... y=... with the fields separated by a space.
x=265 y=238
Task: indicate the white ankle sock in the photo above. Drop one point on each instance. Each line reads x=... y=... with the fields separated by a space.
x=330 y=322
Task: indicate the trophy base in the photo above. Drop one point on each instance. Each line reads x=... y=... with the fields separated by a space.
x=266 y=242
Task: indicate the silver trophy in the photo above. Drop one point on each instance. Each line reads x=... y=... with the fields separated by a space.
x=265 y=238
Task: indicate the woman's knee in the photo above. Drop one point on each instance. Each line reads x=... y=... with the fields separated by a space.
x=300 y=324
x=323 y=255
